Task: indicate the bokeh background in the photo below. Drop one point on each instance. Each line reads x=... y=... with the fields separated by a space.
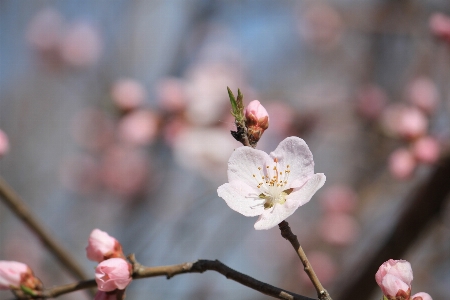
x=116 y=117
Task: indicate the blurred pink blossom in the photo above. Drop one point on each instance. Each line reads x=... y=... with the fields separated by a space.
x=45 y=30
x=339 y=199
x=423 y=93
x=125 y=170
x=394 y=278
x=82 y=45
x=171 y=94
x=80 y=173
x=281 y=117
x=102 y=246
x=324 y=266
x=426 y=150
x=421 y=296
x=404 y=121
x=339 y=229
x=402 y=164
x=11 y=273
x=92 y=129
x=440 y=26
x=370 y=101
x=139 y=127
x=4 y=144
x=113 y=273
x=128 y=94
x=321 y=26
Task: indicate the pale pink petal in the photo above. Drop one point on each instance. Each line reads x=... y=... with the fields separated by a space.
x=241 y=198
x=391 y=285
x=402 y=269
x=294 y=152
x=244 y=163
x=421 y=296
x=111 y=274
x=10 y=273
x=100 y=244
x=304 y=194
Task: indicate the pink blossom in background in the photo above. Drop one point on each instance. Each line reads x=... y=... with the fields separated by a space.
x=101 y=246
x=45 y=31
x=171 y=94
x=339 y=229
x=128 y=94
x=271 y=186
x=81 y=45
x=421 y=296
x=92 y=129
x=370 y=101
x=281 y=117
x=402 y=164
x=339 y=198
x=105 y=296
x=113 y=273
x=423 y=93
x=4 y=144
x=80 y=173
x=394 y=278
x=426 y=150
x=138 y=128
x=404 y=121
x=125 y=170
x=324 y=267
x=440 y=26
x=11 y=273
x=173 y=129
x=321 y=26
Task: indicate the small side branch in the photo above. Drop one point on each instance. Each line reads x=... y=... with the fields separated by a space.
x=19 y=208
x=200 y=266
x=286 y=232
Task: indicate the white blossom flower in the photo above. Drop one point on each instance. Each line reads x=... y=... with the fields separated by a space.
x=271 y=186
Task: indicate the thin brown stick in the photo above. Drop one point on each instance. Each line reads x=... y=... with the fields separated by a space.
x=170 y=271
x=20 y=209
x=286 y=232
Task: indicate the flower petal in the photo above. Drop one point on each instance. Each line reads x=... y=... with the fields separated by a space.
x=244 y=163
x=271 y=218
x=294 y=152
x=241 y=198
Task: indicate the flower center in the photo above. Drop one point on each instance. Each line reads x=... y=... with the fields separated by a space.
x=273 y=184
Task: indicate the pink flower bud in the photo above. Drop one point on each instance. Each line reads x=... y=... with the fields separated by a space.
x=11 y=273
x=257 y=120
x=128 y=94
x=113 y=273
x=402 y=164
x=440 y=26
x=4 y=144
x=426 y=150
x=394 y=278
x=421 y=296
x=102 y=246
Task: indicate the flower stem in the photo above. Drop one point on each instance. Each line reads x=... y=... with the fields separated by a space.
x=286 y=232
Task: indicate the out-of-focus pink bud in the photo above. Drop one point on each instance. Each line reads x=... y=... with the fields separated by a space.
x=339 y=229
x=128 y=94
x=82 y=45
x=102 y=246
x=402 y=164
x=257 y=120
x=423 y=93
x=426 y=150
x=394 y=278
x=138 y=128
x=4 y=144
x=421 y=296
x=440 y=26
x=171 y=94
x=412 y=123
x=45 y=30
x=13 y=274
x=339 y=199
x=106 y=295
x=113 y=273
x=370 y=101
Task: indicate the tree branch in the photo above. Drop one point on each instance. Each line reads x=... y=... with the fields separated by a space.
x=20 y=209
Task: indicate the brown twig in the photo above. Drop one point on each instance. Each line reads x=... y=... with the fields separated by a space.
x=18 y=206
x=170 y=271
x=286 y=232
